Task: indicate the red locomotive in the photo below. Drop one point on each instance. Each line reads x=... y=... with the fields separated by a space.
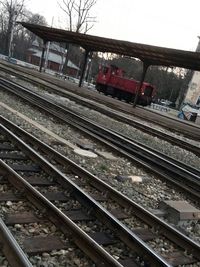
x=111 y=81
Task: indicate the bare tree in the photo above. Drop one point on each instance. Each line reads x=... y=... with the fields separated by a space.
x=34 y=19
x=79 y=20
x=78 y=14
x=23 y=38
x=10 y=12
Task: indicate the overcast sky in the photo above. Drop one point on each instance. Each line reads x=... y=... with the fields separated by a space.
x=169 y=23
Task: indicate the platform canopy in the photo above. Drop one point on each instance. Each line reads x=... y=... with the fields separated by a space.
x=149 y=54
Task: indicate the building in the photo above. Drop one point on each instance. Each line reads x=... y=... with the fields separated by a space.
x=54 y=56
x=193 y=92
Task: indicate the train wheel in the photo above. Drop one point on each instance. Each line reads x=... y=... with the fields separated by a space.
x=118 y=95
x=114 y=95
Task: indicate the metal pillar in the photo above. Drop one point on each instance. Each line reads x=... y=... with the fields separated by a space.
x=47 y=56
x=89 y=67
x=83 y=68
x=42 y=57
x=145 y=67
x=68 y=48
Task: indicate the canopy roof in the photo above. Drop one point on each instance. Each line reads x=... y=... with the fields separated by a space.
x=151 y=55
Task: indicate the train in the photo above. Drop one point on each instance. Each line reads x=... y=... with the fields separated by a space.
x=111 y=81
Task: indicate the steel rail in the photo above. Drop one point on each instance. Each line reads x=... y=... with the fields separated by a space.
x=166 y=157
x=115 y=115
x=132 y=207
x=186 y=180
x=150 y=130
x=146 y=128
x=67 y=226
x=11 y=249
x=120 y=230
x=81 y=118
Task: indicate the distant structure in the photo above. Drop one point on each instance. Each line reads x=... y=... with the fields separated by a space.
x=193 y=92
x=55 y=56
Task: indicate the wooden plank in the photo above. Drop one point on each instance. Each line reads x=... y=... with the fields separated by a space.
x=144 y=234
x=21 y=218
x=52 y=196
x=99 y=197
x=59 y=196
x=10 y=197
x=128 y=262
x=102 y=238
x=178 y=258
x=35 y=245
x=119 y=214
x=78 y=215
x=34 y=180
x=79 y=182
x=25 y=168
x=12 y=155
x=3 y=180
x=6 y=147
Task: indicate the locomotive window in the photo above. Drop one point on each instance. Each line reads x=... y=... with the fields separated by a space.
x=148 y=90
x=105 y=70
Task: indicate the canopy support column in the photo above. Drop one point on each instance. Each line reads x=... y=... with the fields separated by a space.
x=89 y=67
x=42 y=56
x=65 y=65
x=145 y=68
x=84 y=67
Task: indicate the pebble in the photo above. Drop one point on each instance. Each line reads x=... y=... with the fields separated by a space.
x=45 y=230
x=197 y=228
x=144 y=194
x=18 y=226
x=45 y=255
x=9 y=203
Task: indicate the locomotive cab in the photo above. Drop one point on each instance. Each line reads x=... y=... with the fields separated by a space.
x=105 y=70
x=117 y=71
x=112 y=81
x=147 y=93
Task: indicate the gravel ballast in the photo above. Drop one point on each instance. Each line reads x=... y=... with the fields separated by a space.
x=148 y=194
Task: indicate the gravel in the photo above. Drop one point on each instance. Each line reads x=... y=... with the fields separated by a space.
x=72 y=256
x=148 y=194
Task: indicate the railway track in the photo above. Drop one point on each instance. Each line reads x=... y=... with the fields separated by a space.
x=186 y=129
x=70 y=205
x=43 y=209
x=11 y=249
x=82 y=201
x=136 y=124
x=185 y=178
